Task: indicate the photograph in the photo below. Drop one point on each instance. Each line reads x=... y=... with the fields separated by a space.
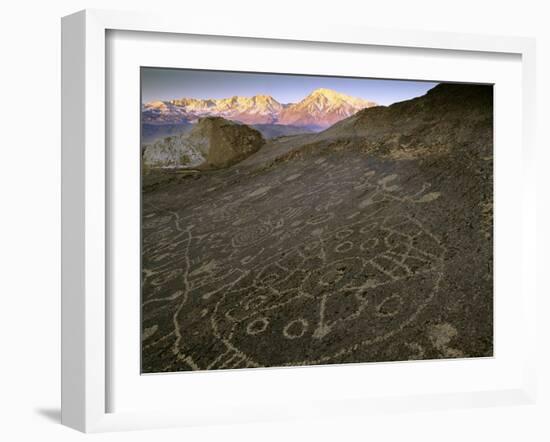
x=300 y=220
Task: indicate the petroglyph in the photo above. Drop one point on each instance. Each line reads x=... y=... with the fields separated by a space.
x=242 y=276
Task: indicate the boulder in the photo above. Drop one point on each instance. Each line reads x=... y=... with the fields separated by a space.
x=213 y=143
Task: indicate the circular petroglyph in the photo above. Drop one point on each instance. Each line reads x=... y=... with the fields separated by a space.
x=257 y=326
x=295 y=329
x=390 y=306
x=368 y=228
x=370 y=243
x=344 y=247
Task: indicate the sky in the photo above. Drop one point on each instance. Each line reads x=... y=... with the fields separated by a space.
x=167 y=84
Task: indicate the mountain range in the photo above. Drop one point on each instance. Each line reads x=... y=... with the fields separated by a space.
x=319 y=110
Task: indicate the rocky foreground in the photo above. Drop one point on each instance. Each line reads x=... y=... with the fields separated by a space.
x=370 y=241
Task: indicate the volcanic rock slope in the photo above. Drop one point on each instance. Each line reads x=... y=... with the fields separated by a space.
x=371 y=241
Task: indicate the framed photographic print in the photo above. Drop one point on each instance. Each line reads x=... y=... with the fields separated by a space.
x=288 y=224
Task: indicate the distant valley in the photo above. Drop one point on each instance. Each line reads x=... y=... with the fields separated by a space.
x=154 y=132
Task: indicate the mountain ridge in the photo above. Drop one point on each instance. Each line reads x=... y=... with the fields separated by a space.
x=321 y=108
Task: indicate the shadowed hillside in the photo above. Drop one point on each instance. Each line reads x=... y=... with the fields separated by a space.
x=449 y=113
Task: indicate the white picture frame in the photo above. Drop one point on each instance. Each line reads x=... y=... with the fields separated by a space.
x=86 y=317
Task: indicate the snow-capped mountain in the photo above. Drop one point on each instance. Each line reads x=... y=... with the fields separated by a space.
x=322 y=108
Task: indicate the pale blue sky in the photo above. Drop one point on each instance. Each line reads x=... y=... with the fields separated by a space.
x=166 y=84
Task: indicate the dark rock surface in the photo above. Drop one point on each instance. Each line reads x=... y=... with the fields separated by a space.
x=371 y=241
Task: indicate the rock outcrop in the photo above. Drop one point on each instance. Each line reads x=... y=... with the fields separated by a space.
x=213 y=143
